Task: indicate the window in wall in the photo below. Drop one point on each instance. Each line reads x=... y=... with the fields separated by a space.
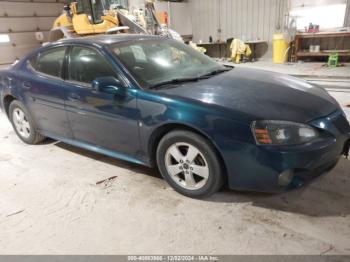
x=4 y=38
x=326 y=15
x=108 y=3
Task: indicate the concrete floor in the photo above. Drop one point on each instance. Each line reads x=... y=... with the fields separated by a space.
x=50 y=203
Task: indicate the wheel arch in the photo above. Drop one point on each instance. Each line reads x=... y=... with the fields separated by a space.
x=161 y=131
x=8 y=99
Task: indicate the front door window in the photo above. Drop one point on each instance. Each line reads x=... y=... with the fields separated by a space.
x=85 y=65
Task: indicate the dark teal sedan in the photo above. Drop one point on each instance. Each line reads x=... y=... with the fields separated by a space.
x=155 y=101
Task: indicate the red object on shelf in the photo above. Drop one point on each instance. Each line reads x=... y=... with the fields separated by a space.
x=313 y=30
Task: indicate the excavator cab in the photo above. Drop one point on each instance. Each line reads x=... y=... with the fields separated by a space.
x=83 y=17
x=88 y=17
x=94 y=9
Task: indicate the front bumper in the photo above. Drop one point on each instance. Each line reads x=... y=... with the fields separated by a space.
x=258 y=168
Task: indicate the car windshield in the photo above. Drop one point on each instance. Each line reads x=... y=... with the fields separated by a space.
x=153 y=62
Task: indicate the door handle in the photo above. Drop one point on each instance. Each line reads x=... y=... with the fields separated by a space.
x=73 y=97
x=26 y=85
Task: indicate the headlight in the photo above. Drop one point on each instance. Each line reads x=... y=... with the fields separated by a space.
x=271 y=132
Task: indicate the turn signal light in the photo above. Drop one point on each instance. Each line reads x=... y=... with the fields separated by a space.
x=262 y=136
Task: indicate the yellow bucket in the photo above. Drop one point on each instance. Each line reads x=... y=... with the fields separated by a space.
x=280 y=49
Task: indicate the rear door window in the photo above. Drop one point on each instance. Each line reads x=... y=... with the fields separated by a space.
x=50 y=62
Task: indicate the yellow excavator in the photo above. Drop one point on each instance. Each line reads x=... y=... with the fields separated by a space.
x=90 y=17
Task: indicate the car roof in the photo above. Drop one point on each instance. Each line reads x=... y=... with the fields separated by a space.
x=107 y=39
x=101 y=40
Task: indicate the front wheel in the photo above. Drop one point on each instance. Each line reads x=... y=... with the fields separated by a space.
x=23 y=124
x=189 y=163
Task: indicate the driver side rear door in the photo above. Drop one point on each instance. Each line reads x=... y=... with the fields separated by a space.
x=42 y=83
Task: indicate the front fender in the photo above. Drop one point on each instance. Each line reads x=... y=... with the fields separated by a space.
x=158 y=111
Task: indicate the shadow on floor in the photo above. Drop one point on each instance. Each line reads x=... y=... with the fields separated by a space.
x=110 y=160
x=308 y=201
x=320 y=198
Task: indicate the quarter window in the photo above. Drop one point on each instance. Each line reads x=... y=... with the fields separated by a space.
x=86 y=64
x=50 y=62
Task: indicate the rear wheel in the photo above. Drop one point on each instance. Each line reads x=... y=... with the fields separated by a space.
x=189 y=163
x=23 y=124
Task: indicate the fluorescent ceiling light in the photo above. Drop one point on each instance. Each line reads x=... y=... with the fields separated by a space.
x=4 y=38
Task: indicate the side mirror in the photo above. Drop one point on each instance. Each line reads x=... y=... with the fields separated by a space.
x=108 y=85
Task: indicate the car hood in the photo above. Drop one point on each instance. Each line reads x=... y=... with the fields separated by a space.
x=260 y=94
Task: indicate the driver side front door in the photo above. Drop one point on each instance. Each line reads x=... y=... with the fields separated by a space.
x=99 y=119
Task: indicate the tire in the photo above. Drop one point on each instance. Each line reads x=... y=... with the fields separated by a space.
x=24 y=125
x=190 y=164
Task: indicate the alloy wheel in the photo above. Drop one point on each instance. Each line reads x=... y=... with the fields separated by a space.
x=187 y=166
x=21 y=123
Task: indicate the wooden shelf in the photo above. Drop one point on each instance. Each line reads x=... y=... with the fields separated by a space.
x=323 y=34
x=301 y=53
x=300 y=50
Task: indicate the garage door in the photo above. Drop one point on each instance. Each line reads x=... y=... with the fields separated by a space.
x=20 y=21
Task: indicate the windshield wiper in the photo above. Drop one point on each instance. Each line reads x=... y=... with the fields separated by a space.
x=215 y=72
x=190 y=79
x=175 y=81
